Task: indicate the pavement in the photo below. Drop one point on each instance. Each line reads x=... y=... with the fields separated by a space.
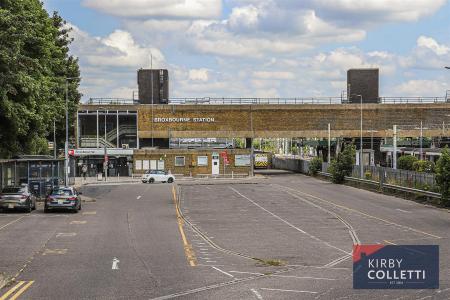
x=287 y=236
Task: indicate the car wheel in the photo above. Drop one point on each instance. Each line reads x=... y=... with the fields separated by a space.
x=151 y=180
x=170 y=180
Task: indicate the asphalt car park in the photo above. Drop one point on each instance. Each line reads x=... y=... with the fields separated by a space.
x=284 y=237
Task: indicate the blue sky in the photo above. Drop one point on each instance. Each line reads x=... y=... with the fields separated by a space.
x=260 y=48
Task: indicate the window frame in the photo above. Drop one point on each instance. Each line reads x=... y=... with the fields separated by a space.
x=179 y=165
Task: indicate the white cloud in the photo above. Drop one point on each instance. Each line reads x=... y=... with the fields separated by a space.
x=280 y=75
x=422 y=88
x=198 y=9
x=430 y=43
x=198 y=74
x=109 y=64
x=428 y=54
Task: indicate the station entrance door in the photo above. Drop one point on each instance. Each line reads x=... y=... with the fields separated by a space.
x=215 y=162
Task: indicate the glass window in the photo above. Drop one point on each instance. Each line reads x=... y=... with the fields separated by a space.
x=179 y=161
x=62 y=192
x=12 y=190
x=202 y=161
x=138 y=164
x=242 y=160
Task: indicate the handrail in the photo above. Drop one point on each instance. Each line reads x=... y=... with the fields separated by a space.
x=266 y=101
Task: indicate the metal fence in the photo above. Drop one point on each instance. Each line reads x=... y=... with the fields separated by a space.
x=274 y=101
x=409 y=179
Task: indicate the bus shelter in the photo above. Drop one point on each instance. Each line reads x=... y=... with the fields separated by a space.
x=41 y=174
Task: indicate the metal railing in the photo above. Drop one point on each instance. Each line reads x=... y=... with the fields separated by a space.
x=273 y=101
x=112 y=101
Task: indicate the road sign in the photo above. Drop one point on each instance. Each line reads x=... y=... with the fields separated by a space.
x=71 y=152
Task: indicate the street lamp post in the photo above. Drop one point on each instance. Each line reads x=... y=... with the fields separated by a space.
x=361 y=139
x=105 y=158
x=66 y=144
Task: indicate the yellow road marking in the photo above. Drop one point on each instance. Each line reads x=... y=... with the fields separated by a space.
x=12 y=290
x=188 y=251
x=78 y=222
x=90 y=213
x=54 y=251
x=20 y=292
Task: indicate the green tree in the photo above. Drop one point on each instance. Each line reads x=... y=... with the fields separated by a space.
x=406 y=162
x=424 y=166
x=315 y=166
x=34 y=62
x=343 y=165
x=443 y=176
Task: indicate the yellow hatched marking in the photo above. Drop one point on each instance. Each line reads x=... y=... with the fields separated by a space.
x=21 y=291
x=188 y=251
x=12 y=290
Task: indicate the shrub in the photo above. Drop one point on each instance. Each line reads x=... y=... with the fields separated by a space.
x=406 y=162
x=342 y=166
x=424 y=166
x=443 y=176
x=315 y=166
x=368 y=175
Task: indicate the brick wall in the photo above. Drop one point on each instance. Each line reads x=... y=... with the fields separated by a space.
x=191 y=167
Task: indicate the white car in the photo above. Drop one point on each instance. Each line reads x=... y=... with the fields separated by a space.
x=152 y=176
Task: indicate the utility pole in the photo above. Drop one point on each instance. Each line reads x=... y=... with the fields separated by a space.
x=66 y=144
x=329 y=143
x=54 y=138
x=151 y=82
x=252 y=160
x=394 y=156
x=361 y=141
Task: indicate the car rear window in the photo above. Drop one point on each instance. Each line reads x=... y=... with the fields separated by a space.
x=12 y=190
x=62 y=192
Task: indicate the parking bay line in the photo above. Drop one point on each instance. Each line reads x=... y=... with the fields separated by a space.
x=361 y=213
x=289 y=224
x=257 y=294
x=12 y=222
x=293 y=291
x=222 y=271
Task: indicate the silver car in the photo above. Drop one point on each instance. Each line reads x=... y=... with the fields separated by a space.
x=14 y=198
x=63 y=198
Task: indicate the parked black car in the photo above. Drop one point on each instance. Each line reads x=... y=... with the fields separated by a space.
x=17 y=197
x=63 y=198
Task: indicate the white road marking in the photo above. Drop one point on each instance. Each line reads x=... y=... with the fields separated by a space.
x=292 y=291
x=115 y=264
x=300 y=277
x=223 y=272
x=257 y=294
x=66 y=234
x=246 y=273
x=289 y=224
x=138 y=197
x=405 y=211
x=211 y=261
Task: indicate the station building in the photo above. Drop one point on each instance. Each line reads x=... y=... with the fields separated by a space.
x=195 y=136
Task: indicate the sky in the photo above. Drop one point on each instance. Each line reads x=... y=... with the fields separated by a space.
x=259 y=48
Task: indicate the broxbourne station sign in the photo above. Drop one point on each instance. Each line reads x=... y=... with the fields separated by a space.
x=184 y=120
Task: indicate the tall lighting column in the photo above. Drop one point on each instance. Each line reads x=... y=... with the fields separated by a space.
x=66 y=144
